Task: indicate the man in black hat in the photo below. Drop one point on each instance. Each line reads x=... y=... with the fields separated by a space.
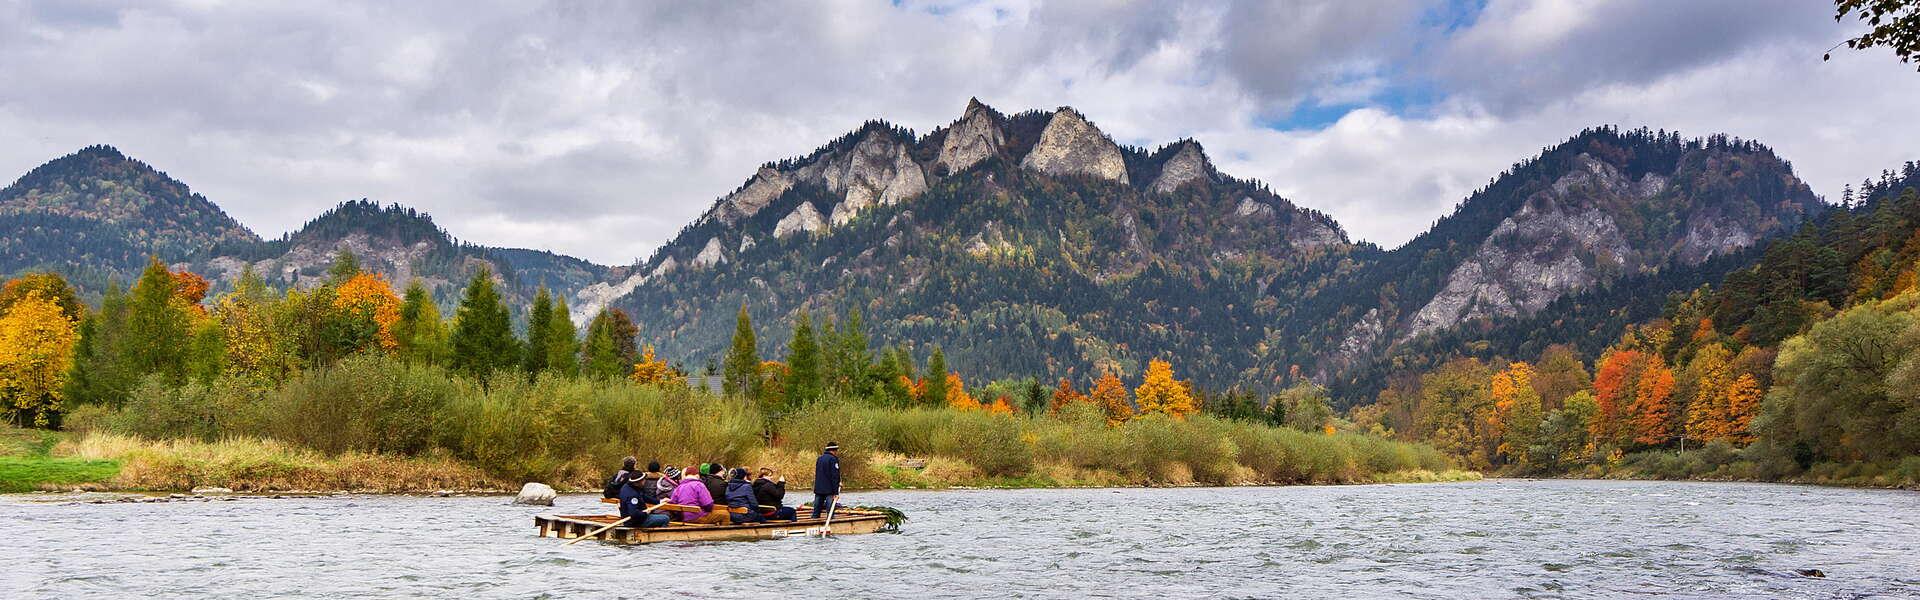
x=826 y=479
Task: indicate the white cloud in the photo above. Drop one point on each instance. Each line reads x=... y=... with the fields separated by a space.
x=599 y=131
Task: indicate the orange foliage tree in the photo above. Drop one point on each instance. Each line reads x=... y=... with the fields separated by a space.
x=1652 y=409
x=1743 y=402
x=1614 y=381
x=1063 y=395
x=368 y=294
x=957 y=396
x=1707 y=416
x=1160 y=393
x=1515 y=420
x=1000 y=406
x=1111 y=396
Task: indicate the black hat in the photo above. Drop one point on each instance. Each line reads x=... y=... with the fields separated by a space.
x=833 y=445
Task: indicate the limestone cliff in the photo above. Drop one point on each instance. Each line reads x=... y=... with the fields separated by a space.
x=1072 y=146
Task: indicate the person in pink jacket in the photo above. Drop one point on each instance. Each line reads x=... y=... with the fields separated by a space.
x=693 y=492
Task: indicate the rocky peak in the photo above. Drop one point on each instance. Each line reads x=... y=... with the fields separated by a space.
x=765 y=186
x=804 y=218
x=970 y=140
x=878 y=171
x=1072 y=146
x=1188 y=164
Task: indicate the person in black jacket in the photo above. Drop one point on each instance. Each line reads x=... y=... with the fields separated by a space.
x=826 y=479
x=715 y=476
x=619 y=478
x=771 y=490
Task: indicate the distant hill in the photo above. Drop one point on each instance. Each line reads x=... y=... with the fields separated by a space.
x=1033 y=244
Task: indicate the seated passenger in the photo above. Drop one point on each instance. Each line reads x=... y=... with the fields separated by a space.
x=637 y=496
x=611 y=489
x=771 y=489
x=693 y=492
x=741 y=502
x=715 y=476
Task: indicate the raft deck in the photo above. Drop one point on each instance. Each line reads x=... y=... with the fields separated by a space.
x=566 y=527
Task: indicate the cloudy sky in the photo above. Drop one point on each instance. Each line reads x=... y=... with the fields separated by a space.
x=599 y=129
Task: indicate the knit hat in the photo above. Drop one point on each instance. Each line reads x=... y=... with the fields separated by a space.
x=673 y=472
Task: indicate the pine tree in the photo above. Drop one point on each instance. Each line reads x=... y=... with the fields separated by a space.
x=345 y=265
x=601 y=356
x=933 y=390
x=563 y=342
x=740 y=373
x=852 y=358
x=625 y=335
x=803 y=364
x=421 y=334
x=482 y=338
x=539 y=332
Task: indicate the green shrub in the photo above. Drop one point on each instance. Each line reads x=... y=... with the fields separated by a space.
x=673 y=425
x=989 y=442
x=518 y=430
x=809 y=429
x=203 y=411
x=910 y=431
x=368 y=402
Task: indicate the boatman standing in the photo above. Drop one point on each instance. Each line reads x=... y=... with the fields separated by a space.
x=826 y=479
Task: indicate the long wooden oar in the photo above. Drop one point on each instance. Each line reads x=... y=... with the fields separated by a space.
x=826 y=529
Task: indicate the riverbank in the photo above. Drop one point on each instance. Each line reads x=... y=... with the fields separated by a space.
x=108 y=462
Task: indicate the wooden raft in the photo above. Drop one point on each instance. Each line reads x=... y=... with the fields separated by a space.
x=566 y=527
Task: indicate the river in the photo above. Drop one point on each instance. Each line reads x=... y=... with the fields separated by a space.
x=1491 y=539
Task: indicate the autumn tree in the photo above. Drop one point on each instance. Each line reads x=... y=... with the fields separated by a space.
x=1743 y=404
x=1160 y=393
x=1455 y=409
x=1307 y=407
x=367 y=297
x=1615 y=380
x=48 y=283
x=1558 y=375
x=482 y=340
x=1110 y=394
x=651 y=371
x=1711 y=375
x=1064 y=395
x=1652 y=411
x=1564 y=436
x=245 y=316
x=1516 y=413
x=957 y=396
x=36 y=353
x=1893 y=24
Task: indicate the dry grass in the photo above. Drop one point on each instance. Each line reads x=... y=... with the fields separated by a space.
x=254 y=465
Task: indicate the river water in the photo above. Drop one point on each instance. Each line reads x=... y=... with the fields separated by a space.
x=1492 y=539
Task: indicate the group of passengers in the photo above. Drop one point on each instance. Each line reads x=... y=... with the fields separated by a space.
x=712 y=494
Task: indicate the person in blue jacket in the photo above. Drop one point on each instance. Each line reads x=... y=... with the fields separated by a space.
x=636 y=496
x=826 y=479
x=741 y=501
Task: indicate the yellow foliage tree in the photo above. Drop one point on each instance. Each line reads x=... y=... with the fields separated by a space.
x=1000 y=406
x=370 y=293
x=36 y=352
x=1707 y=416
x=1160 y=393
x=1111 y=396
x=654 y=371
x=957 y=396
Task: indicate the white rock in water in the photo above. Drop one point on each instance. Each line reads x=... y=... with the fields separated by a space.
x=536 y=494
x=212 y=490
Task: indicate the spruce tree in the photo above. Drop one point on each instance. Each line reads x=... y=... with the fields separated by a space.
x=345 y=266
x=853 y=360
x=803 y=364
x=740 y=374
x=483 y=339
x=601 y=356
x=100 y=374
x=563 y=345
x=934 y=391
x=539 y=332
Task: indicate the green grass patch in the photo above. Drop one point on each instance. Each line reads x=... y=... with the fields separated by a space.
x=29 y=473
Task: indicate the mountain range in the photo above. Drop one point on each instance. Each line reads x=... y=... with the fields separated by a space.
x=1032 y=244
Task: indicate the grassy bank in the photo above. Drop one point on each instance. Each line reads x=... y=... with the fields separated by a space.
x=1760 y=462
x=27 y=463
x=373 y=423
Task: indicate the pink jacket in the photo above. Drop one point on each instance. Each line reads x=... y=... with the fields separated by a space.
x=692 y=492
